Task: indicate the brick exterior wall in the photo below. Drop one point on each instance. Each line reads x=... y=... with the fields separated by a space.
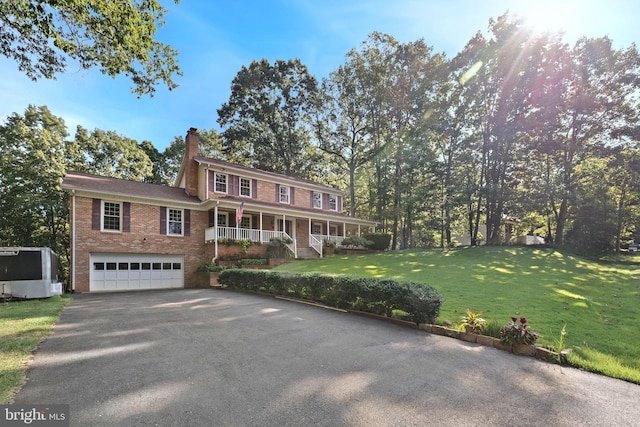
x=266 y=192
x=144 y=223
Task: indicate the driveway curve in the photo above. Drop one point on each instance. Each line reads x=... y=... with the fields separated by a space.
x=205 y=357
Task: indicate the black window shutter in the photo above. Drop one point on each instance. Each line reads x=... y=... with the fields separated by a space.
x=126 y=217
x=312 y=200
x=212 y=214
x=163 y=220
x=95 y=214
x=187 y=222
x=339 y=204
x=325 y=201
x=277 y=193
x=292 y=191
x=254 y=188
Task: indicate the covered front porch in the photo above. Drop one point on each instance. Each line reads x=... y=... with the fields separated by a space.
x=304 y=232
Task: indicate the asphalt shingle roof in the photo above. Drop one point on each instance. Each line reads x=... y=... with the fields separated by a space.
x=81 y=181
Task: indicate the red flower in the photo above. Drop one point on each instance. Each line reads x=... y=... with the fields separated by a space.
x=514 y=319
x=522 y=320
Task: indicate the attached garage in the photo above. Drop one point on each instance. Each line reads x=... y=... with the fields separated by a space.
x=114 y=272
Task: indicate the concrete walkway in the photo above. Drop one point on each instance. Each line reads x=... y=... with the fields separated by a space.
x=218 y=358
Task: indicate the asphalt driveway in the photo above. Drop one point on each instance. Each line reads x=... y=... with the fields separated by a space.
x=217 y=358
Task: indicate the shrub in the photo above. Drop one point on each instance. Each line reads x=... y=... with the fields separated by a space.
x=329 y=243
x=277 y=247
x=212 y=267
x=379 y=296
x=253 y=261
x=381 y=241
x=356 y=241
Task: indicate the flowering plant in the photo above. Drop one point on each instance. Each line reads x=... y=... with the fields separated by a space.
x=516 y=332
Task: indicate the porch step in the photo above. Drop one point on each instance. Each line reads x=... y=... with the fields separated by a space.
x=307 y=253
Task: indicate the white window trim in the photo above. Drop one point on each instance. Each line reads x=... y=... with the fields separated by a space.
x=336 y=202
x=226 y=182
x=169 y=233
x=119 y=230
x=314 y=200
x=240 y=187
x=288 y=202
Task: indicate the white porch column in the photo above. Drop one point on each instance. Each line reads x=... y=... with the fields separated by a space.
x=328 y=230
x=215 y=232
x=358 y=229
x=261 y=231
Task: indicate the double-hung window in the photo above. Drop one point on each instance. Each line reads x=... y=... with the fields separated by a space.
x=285 y=194
x=245 y=187
x=317 y=200
x=333 y=202
x=175 y=218
x=111 y=216
x=222 y=220
x=245 y=222
x=221 y=183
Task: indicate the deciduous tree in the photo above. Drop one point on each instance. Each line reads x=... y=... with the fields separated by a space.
x=117 y=37
x=266 y=120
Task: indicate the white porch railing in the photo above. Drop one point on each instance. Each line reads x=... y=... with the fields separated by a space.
x=315 y=244
x=323 y=237
x=262 y=236
x=233 y=233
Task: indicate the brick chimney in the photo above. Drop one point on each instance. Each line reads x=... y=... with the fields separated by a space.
x=191 y=142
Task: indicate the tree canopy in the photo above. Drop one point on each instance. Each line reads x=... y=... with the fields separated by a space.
x=266 y=118
x=118 y=37
x=518 y=134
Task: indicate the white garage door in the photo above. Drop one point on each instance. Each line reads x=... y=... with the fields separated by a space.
x=110 y=272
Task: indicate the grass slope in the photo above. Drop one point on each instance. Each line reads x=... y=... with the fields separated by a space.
x=598 y=302
x=23 y=325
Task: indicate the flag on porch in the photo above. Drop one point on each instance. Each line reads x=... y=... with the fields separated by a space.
x=239 y=214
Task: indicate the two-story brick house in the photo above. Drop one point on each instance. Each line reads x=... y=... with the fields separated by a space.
x=134 y=235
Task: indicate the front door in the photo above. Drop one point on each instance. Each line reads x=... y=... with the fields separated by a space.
x=288 y=227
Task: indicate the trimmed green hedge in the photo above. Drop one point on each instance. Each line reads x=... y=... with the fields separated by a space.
x=381 y=241
x=379 y=296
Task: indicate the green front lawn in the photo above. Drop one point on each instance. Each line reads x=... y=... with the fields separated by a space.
x=599 y=302
x=23 y=325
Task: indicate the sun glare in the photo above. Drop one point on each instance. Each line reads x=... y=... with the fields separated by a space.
x=568 y=17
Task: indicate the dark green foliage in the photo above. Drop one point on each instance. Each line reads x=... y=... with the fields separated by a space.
x=116 y=37
x=277 y=247
x=356 y=241
x=379 y=296
x=381 y=241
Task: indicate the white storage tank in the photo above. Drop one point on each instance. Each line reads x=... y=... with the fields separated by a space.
x=29 y=272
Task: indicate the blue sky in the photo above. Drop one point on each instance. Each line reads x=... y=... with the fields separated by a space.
x=216 y=38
